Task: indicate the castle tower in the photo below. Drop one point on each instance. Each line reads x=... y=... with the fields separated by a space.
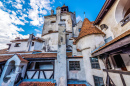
x=60 y=63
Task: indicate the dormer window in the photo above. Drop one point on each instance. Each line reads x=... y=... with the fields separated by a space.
x=17 y=45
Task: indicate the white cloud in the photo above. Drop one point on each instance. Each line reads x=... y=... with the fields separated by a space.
x=39 y=7
x=1 y=4
x=18 y=6
x=38 y=35
x=8 y=28
x=78 y=18
x=37 y=30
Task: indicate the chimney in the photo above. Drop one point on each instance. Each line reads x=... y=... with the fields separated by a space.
x=52 y=12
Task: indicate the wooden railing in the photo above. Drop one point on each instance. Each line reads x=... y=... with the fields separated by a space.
x=39 y=73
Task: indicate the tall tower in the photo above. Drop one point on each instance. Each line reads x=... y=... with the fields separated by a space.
x=60 y=63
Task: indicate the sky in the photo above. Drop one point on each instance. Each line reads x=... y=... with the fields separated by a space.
x=19 y=18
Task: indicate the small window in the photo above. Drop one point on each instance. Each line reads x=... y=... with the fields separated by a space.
x=74 y=65
x=32 y=43
x=94 y=62
x=53 y=21
x=17 y=45
x=103 y=26
x=98 y=81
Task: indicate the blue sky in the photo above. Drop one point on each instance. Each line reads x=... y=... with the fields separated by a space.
x=19 y=18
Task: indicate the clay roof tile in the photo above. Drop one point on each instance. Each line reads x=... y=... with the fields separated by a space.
x=87 y=29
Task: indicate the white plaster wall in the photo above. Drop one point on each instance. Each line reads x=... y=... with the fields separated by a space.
x=52 y=40
x=112 y=19
x=86 y=45
x=22 y=47
x=88 y=70
x=77 y=74
x=68 y=21
x=116 y=79
x=38 y=45
x=48 y=25
x=90 y=41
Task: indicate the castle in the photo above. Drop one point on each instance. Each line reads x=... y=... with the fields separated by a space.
x=72 y=54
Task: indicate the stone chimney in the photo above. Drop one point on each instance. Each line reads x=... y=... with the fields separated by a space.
x=52 y=12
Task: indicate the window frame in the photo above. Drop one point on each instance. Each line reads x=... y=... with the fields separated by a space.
x=74 y=64
x=98 y=80
x=95 y=63
x=32 y=43
x=17 y=44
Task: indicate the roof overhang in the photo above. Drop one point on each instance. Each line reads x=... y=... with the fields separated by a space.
x=120 y=43
x=107 y=5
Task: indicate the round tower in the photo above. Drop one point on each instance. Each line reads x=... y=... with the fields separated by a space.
x=90 y=37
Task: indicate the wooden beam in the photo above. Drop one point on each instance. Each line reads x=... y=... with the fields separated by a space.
x=117 y=71
x=40 y=70
x=122 y=79
x=33 y=74
x=44 y=74
x=39 y=74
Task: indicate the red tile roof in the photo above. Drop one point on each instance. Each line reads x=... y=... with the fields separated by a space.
x=37 y=84
x=87 y=29
x=4 y=51
x=114 y=40
x=39 y=55
x=34 y=39
x=20 y=57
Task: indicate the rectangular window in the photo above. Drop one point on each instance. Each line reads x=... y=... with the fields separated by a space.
x=98 y=81
x=119 y=63
x=17 y=45
x=94 y=62
x=74 y=65
x=32 y=43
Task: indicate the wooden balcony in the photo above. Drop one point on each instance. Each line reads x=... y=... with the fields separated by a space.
x=39 y=74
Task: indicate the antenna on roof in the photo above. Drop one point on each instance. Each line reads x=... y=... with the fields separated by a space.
x=84 y=15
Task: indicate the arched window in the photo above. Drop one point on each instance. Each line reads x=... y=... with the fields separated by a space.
x=122 y=10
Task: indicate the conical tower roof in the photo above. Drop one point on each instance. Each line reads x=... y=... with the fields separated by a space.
x=87 y=29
